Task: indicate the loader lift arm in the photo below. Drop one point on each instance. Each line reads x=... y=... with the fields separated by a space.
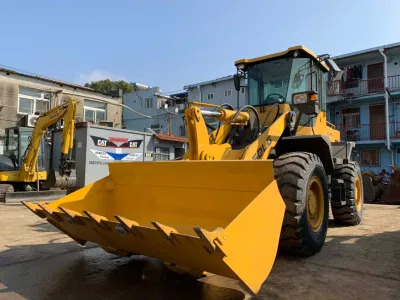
x=214 y=146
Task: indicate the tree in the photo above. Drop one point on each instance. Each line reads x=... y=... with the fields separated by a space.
x=108 y=86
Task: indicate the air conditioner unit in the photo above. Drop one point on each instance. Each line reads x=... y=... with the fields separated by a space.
x=181 y=107
x=30 y=120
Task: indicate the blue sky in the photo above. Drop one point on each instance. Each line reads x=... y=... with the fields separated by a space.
x=174 y=43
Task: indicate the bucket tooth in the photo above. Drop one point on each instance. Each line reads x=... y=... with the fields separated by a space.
x=49 y=211
x=211 y=239
x=80 y=241
x=129 y=225
x=71 y=214
x=35 y=209
x=97 y=219
x=164 y=229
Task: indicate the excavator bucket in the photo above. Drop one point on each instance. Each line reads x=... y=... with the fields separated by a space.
x=223 y=217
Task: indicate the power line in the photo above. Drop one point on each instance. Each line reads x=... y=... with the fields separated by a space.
x=127 y=107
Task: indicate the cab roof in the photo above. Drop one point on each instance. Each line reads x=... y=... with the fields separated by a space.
x=289 y=52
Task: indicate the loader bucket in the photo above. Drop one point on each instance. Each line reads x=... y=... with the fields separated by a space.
x=223 y=217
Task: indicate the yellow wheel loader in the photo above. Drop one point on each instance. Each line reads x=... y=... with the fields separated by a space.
x=21 y=173
x=253 y=179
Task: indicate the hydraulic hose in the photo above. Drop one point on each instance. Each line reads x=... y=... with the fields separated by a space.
x=257 y=117
x=270 y=110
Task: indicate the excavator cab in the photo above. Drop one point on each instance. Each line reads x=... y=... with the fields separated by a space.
x=16 y=143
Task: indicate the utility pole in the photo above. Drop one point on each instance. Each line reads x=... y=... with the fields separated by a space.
x=170 y=123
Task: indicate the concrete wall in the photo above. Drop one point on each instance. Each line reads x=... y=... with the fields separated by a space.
x=385 y=157
x=9 y=89
x=160 y=116
x=335 y=116
x=393 y=64
x=218 y=88
x=335 y=111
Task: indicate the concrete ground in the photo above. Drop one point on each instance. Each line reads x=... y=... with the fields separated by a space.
x=38 y=262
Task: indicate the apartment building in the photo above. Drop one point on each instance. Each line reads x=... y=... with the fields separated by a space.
x=363 y=103
x=218 y=91
x=146 y=109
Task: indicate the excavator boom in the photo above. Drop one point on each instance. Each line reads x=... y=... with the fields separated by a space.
x=67 y=112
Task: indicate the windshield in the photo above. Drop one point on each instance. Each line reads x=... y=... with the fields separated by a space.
x=275 y=81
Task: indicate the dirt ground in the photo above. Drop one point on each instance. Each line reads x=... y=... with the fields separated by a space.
x=38 y=262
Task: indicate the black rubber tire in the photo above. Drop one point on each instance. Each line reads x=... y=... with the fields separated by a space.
x=345 y=212
x=293 y=172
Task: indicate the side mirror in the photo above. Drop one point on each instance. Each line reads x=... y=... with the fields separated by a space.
x=332 y=65
x=236 y=80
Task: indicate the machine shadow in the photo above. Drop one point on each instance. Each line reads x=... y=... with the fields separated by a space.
x=369 y=262
x=67 y=271
x=64 y=270
x=43 y=227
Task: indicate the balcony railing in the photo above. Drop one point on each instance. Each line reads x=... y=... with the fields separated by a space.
x=357 y=88
x=365 y=132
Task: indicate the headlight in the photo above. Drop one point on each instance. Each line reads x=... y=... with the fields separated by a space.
x=300 y=98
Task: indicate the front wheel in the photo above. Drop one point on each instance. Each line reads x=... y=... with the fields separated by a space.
x=304 y=187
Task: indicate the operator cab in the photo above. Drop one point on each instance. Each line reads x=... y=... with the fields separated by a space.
x=16 y=143
x=288 y=77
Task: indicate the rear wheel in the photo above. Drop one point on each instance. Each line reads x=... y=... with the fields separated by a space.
x=304 y=187
x=348 y=211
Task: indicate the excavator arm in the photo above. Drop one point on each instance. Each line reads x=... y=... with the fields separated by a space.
x=67 y=112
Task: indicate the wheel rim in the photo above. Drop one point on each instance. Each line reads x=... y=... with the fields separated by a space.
x=315 y=203
x=358 y=194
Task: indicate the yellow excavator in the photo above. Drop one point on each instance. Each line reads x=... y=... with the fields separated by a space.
x=25 y=175
x=254 y=179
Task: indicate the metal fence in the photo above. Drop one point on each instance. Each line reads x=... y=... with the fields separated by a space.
x=357 y=88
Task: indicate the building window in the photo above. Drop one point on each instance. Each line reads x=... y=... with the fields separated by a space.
x=351 y=117
x=210 y=96
x=369 y=158
x=182 y=130
x=280 y=83
x=155 y=127
x=94 y=111
x=161 y=153
x=228 y=93
x=242 y=90
x=351 y=123
x=31 y=101
x=149 y=103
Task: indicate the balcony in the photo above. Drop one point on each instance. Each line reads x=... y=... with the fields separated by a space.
x=368 y=132
x=358 y=88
